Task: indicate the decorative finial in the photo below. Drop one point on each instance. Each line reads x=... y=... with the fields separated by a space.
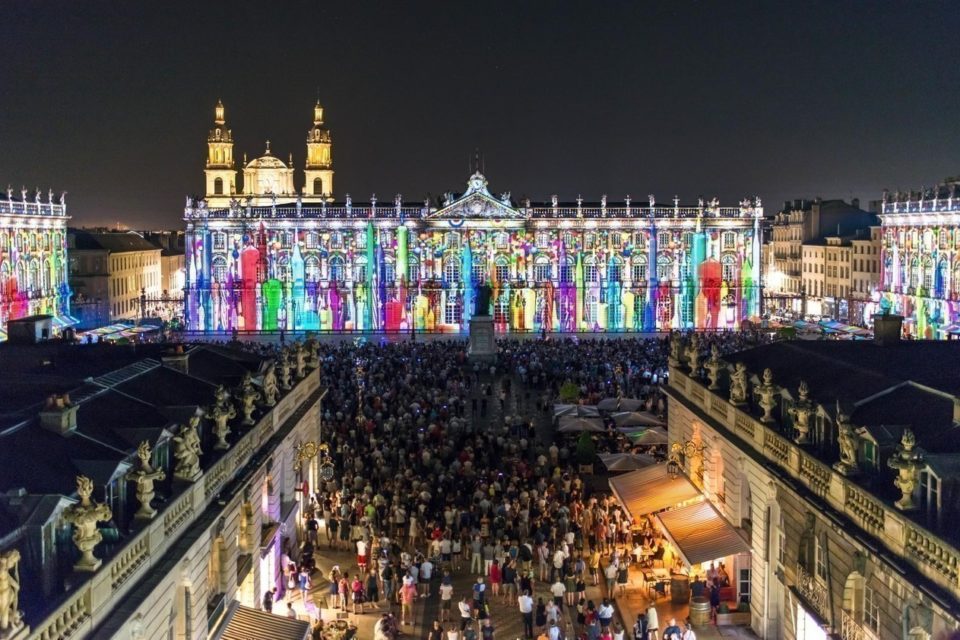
x=267 y=152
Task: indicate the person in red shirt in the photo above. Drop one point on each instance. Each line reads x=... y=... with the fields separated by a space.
x=495 y=578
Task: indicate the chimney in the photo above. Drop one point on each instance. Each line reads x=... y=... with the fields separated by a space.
x=14 y=497
x=886 y=329
x=855 y=202
x=177 y=358
x=59 y=414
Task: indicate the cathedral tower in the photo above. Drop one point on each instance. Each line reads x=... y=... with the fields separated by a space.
x=319 y=168
x=221 y=175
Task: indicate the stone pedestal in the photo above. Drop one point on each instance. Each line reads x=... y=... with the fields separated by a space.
x=483 y=343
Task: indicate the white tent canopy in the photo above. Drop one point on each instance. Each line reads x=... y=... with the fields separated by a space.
x=577 y=410
x=636 y=419
x=626 y=461
x=646 y=437
x=573 y=424
x=619 y=404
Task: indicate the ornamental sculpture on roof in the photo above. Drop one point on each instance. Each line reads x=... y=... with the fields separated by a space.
x=84 y=517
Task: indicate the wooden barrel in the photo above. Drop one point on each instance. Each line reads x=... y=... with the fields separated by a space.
x=679 y=588
x=700 y=611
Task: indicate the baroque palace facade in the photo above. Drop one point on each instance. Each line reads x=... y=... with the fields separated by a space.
x=265 y=257
x=921 y=259
x=33 y=258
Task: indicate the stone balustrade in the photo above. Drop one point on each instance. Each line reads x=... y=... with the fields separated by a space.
x=936 y=559
x=850 y=629
x=105 y=587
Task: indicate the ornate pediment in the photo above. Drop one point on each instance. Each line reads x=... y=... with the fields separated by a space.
x=478 y=203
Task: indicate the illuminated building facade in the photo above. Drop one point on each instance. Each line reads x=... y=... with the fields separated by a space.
x=268 y=258
x=920 y=237
x=33 y=258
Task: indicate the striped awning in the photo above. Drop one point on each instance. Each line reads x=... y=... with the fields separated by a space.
x=244 y=623
x=701 y=534
x=651 y=489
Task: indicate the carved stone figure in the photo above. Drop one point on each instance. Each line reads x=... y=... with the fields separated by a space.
x=801 y=412
x=313 y=353
x=248 y=396
x=84 y=518
x=847 y=465
x=738 y=384
x=300 y=360
x=768 y=396
x=285 y=368
x=221 y=396
x=221 y=416
x=907 y=463
x=187 y=451
x=713 y=366
x=270 y=387
x=676 y=350
x=10 y=617
x=9 y=192
x=145 y=477
x=693 y=355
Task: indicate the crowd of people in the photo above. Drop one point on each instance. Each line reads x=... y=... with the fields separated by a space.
x=423 y=494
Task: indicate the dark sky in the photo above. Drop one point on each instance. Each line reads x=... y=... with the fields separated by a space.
x=113 y=101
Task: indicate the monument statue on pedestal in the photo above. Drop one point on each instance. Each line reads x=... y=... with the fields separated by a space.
x=801 y=411
x=187 y=451
x=481 y=306
x=145 y=477
x=285 y=368
x=300 y=357
x=768 y=392
x=248 y=396
x=738 y=385
x=907 y=462
x=847 y=465
x=713 y=367
x=84 y=518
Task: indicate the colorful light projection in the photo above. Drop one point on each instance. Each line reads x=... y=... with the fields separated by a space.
x=369 y=268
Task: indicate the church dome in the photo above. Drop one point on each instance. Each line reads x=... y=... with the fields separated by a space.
x=266 y=162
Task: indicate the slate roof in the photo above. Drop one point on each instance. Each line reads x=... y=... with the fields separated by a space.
x=109 y=241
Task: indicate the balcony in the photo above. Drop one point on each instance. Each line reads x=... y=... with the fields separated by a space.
x=813 y=592
x=850 y=629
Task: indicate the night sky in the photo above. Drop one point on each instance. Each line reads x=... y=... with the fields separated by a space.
x=112 y=101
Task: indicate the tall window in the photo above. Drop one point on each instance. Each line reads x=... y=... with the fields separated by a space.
x=590 y=269
x=479 y=272
x=452 y=240
x=389 y=271
x=218 y=186
x=615 y=270
x=871 y=610
x=220 y=269
x=639 y=269
x=729 y=240
x=568 y=239
x=311 y=239
x=336 y=240
x=502 y=265
x=728 y=265
x=503 y=240
x=663 y=240
x=219 y=241
x=451 y=269
x=360 y=269
x=616 y=239
x=592 y=309
x=566 y=270
x=541 y=269
x=361 y=240
x=336 y=269
x=453 y=311
x=413 y=271
x=317 y=186
x=543 y=239
x=820 y=558
x=311 y=268
x=781 y=541
x=664 y=269
x=639 y=240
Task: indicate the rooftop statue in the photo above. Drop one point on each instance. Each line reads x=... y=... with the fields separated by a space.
x=84 y=518
x=10 y=616
x=187 y=451
x=145 y=477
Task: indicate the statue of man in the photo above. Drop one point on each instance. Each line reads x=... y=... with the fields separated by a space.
x=738 y=384
x=482 y=305
x=9 y=591
x=270 y=386
x=221 y=415
x=285 y=368
x=848 y=445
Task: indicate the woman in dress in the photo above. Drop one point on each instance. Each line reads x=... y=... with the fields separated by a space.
x=541 y=615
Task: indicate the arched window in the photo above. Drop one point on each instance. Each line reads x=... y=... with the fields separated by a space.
x=927 y=276
x=219 y=269
x=317 y=186
x=664 y=269
x=218 y=186
x=542 y=268
x=639 y=268
x=502 y=266
x=283 y=268
x=34 y=274
x=451 y=269
x=567 y=269
x=915 y=277
x=590 y=269
x=615 y=270
x=360 y=269
x=728 y=266
x=311 y=268
x=336 y=269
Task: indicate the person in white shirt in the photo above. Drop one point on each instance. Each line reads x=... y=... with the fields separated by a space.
x=525 y=603
x=446 y=599
x=426 y=574
x=558 y=589
x=466 y=612
x=554 y=632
